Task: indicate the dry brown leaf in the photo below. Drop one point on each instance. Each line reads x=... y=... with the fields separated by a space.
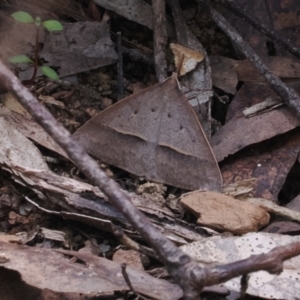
x=241 y=132
x=40 y=267
x=269 y=163
x=31 y=129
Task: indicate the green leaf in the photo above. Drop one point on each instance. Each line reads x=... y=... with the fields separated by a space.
x=37 y=21
x=20 y=59
x=23 y=17
x=53 y=25
x=50 y=73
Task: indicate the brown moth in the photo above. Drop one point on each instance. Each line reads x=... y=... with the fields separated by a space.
x=154 y=134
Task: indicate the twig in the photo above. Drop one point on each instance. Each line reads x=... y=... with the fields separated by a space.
x=279 y=39
x=288 y=94
x=120 y=67
x=271 y=262
x=186 y=272
x=160 y=39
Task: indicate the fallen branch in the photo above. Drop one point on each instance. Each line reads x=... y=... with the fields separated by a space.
x=186 y=272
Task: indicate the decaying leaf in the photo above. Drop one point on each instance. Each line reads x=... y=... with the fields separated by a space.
x=155 y=134
x=276 y=209
x=10 y=102
x=241 y=132
x=283 y=227
x=222 y=250
x=39 y=268
x=269 y=163
x=74 y=53
x=30 y=129
x=224 y=213
x=186 y=59
x=16 y=149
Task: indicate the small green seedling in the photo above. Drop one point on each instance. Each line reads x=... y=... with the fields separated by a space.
x=50 y=25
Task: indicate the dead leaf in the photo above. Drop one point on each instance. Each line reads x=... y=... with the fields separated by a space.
x=241 y=132
x=31 y=129
x=283 y=227
x=224 y=213
x=75 y=53
x=16 y=149
x=40 y=267
x=154 y=134
x=222 y=250
x=275 y=209
x=249 y=94
x=269 y=163
x=10 y=102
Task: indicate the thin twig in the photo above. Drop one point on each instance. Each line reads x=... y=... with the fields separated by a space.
x=160 y=39
x=288 y=94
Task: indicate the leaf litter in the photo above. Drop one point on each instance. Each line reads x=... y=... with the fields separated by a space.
x=261 y=149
